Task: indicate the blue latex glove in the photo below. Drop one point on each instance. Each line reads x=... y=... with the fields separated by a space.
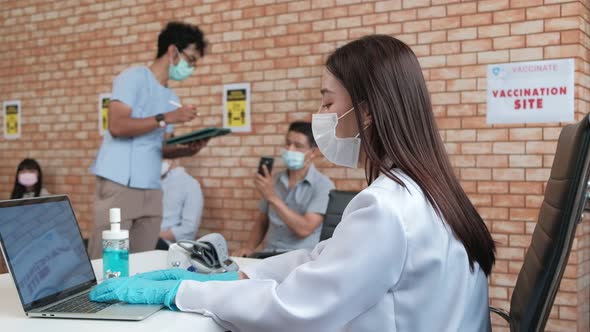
x=180 y=274
x=137 y=290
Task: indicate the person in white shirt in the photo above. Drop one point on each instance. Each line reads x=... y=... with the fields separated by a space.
x=183 y=205
x=411 y=252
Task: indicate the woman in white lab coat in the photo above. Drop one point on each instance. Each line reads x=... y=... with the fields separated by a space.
x=411 y=252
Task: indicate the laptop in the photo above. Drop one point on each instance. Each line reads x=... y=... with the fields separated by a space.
x=45 y=254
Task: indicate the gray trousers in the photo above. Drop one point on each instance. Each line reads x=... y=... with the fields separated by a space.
x=141 y=214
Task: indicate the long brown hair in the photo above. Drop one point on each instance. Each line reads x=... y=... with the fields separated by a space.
x=383 y=77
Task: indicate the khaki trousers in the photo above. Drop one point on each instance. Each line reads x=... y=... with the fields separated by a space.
x=141 y=214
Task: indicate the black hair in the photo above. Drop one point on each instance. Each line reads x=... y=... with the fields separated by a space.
x=19 y=190
x=181 y=35
x=304 y=128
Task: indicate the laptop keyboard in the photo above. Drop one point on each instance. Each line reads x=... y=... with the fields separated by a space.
x=79 y=304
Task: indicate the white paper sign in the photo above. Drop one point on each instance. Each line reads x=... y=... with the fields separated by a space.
x=531 y=92
x=236 y=107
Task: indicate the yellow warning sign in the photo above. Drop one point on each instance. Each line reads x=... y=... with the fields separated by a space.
x=12 y=119
x=236 y=107
x=104 y=100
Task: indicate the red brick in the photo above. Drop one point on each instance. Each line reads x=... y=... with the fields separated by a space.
x=508 y=174
x=386 y=6
x=537 y=12
x=446 y=48
x=492 y=5
x=562 y=51
x=446 y=23
x=565 y=23
x=476 y=45
x=432 y=37
x=416 y=26
x=462 y=161
x=403 y=16
x=489 y=213
x=537 y=174
x=509 y=42
x=476 y=148
x=570 y=37
x=431 y=12
x=525 y=28
x=475 y=174
x=495 y=30
x=476 y=19
x=508 y=201
x=462 y=34
x=492 y=161
x=492 y=134
x=526 y=188
x=541 y=147
x=524 y=214
x=373 y=19
x=526 y=54
x=512 y=15
x=543 y=39
x=494 y=187
x=526 y=161
x=463 y=8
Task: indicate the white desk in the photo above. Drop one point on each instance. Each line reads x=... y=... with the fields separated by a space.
x=12 y=316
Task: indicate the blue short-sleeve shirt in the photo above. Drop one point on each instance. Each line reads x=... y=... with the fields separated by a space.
x=136 y=161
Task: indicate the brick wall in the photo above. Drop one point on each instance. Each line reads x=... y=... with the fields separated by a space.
x=57 y=56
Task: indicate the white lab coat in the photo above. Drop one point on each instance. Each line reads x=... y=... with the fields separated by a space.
x=391 y=265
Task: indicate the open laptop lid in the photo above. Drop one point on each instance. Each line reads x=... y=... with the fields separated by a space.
x=43 y=248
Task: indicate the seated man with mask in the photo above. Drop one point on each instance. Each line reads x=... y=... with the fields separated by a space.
x=294 y=202
x=183 y=205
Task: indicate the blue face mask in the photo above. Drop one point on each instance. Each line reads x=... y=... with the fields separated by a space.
x=180 y=71
x=294 y=160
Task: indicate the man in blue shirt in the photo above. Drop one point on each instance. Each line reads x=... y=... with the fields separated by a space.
x=128 y=163
x=294 y=202
x=183 y=205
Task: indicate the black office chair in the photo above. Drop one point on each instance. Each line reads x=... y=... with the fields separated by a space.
x=339 y=199
x=548 y=253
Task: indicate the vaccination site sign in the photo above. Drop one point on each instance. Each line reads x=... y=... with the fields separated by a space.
x=103 y=112
x=531 y=92
x=12 y=119
x=236 y=107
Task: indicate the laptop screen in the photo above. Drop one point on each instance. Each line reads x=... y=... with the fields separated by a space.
x=44 y=249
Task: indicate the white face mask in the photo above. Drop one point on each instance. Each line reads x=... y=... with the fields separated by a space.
x=165 y=167
x=340 y=151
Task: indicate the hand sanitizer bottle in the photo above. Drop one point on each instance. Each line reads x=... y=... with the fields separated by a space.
x=115 y=248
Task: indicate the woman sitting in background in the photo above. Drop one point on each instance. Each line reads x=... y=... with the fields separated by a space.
x=28 y=181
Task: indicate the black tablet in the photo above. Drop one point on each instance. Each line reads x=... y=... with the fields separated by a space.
x=198 y=135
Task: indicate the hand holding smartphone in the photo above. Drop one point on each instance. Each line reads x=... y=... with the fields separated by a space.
x=266 y=161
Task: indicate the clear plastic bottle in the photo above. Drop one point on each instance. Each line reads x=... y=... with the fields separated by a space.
x=115 y=248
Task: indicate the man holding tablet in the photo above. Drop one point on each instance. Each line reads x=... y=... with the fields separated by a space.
x=128 y=163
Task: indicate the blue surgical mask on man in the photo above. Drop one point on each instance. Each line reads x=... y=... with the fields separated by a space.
x=294 y=160
x=181 y=71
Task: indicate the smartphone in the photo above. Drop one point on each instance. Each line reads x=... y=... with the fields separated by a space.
x=268 y=161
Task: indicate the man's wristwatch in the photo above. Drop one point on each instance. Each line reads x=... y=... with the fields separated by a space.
x=160 y=120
